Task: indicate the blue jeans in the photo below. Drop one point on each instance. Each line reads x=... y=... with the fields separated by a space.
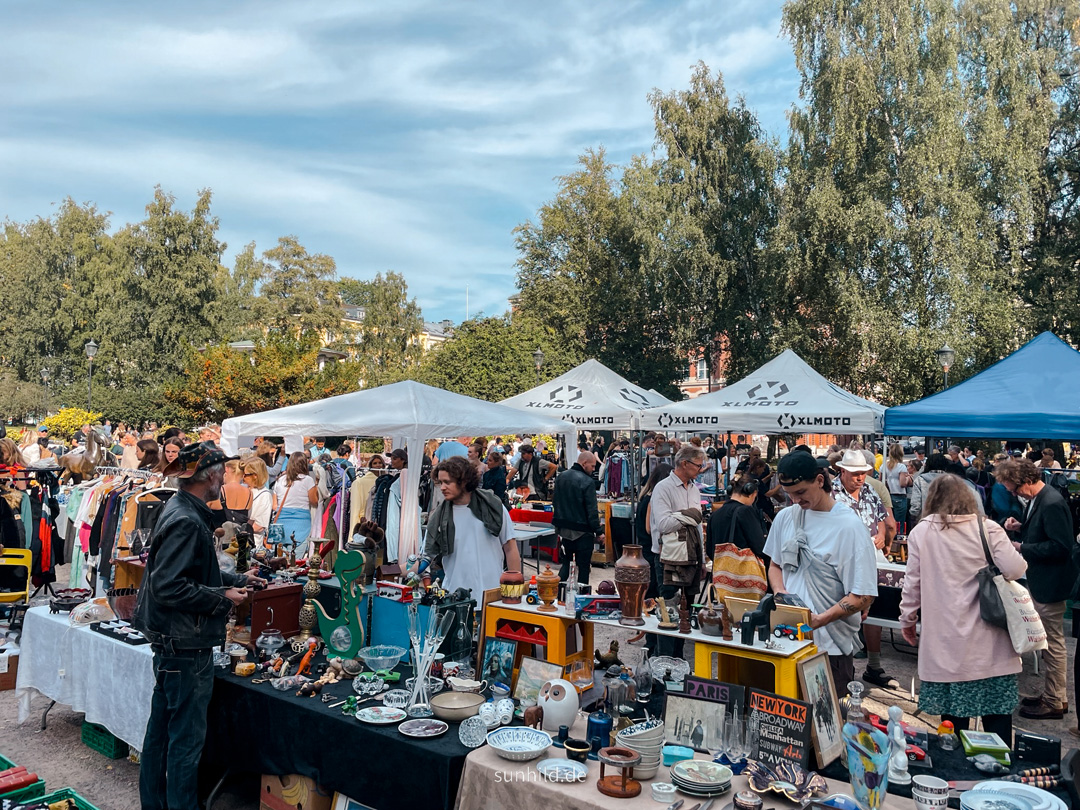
x=168 y=776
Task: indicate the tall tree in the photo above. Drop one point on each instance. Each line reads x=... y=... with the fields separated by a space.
x=492 y=358
x=298 y=291
x=176 y=276
x=884 y=231
x=387 y=341
x=709 y=237
x=583 y=271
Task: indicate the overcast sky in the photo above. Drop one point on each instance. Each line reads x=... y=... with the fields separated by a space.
x=405 y=135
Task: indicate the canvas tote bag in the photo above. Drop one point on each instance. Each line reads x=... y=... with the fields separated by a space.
x=737 y=571
x=1008 y=605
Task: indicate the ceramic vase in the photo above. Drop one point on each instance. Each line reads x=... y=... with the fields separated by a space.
x=632 y=574
x=708 y=619
x=512 y=587
x=547 y=586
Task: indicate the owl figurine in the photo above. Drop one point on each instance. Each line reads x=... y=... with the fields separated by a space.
x=559 y=700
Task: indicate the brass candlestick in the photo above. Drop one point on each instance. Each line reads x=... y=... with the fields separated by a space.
x=308 y=617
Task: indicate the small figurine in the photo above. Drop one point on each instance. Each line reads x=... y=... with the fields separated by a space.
x=533 y=717
x=684 y=616
x=898 y=761
x=609 y=658
x=725 y=623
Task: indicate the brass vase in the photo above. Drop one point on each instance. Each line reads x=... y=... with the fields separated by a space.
x=632 y=572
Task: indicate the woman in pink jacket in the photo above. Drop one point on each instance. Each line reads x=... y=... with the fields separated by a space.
x=968 y=668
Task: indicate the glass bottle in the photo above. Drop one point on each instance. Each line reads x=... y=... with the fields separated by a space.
x=571 y=589
x=643 y=677
x=856 y=715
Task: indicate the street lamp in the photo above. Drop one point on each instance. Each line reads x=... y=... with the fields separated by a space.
x=91 y=350
x=538 y=360
x=945 y=356
x=45 y=395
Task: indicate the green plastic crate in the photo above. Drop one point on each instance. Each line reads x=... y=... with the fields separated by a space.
x=68 y=793
x=102 y=740
x=34 y=791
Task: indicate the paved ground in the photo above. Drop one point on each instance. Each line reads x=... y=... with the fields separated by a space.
x=59 y=756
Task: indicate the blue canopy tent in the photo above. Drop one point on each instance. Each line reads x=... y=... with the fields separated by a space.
x=1032 y=393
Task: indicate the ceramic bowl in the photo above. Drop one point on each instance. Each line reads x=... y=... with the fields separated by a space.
x=646 y=772
x=382 y=656
x=518 y=744
x=577 y=750
x=455 y=706
x=929 y=785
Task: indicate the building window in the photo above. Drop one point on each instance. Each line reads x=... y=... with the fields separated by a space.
x=702 y=370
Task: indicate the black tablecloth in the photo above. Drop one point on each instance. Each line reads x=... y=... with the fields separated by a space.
x=255 y=728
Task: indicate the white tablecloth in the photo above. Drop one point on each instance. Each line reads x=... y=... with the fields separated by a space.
x=110 y=681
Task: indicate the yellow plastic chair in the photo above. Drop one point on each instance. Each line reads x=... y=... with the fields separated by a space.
x=12 y=558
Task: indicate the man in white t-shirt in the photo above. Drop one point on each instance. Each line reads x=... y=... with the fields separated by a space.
x=821 y=552
x=470 y=533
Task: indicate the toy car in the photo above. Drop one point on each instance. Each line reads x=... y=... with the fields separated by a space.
x=800 y=633
x=883 y=726
x=915 y=754
x=532 y=598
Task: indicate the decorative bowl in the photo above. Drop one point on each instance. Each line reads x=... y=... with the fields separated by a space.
x=455 y=706
x=562 y=770
x=787 y=779
x=434 y=684
x=577 y=750
x=383 y=656
x=518 y=744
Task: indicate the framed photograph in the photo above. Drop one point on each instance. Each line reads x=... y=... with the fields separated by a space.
x=695 y=723
x=532 y=674
x=489 y=596
x=816 y=683
x=498 y=661
x=343 y=802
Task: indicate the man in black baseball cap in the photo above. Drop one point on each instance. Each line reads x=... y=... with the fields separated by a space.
x=182 y=606
x=822 y=553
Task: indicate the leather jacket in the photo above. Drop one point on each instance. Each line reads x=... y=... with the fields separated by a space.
x=182 y=603
x=574 y=502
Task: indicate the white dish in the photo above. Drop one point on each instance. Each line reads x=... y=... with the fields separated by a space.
x=1039 y=798
x=562 y=770
x=380 y=715
x=423 y=727
x=992 y=800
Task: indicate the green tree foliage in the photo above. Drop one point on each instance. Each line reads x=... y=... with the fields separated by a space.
x=492 y=358
x=584 y=272
x=282 y=370
x=19 y=398
x=916 y=170
x=175 y=276
x=387 y=342
x=709 y=236
x=298 y=292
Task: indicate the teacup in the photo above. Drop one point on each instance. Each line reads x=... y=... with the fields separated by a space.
x=499 y=691
x=465 y=684
x=451 y=669
x=929 y=785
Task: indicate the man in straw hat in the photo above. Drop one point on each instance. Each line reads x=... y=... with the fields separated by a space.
x=182 y=606
x=850 y=488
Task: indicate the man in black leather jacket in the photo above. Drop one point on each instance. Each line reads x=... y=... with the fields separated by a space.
x=576 y=517
x=1046 y=542
x=182 y=606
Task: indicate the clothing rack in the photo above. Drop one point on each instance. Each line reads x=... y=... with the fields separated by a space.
x=125 y=471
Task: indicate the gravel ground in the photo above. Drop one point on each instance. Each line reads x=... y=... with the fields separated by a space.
x=58 y=755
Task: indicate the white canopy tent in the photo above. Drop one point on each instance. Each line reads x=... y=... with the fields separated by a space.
x=591 y=396
x=783 y=396
x=406 y=410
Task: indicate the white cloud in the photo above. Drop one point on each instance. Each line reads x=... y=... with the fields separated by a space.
x=410 y=136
